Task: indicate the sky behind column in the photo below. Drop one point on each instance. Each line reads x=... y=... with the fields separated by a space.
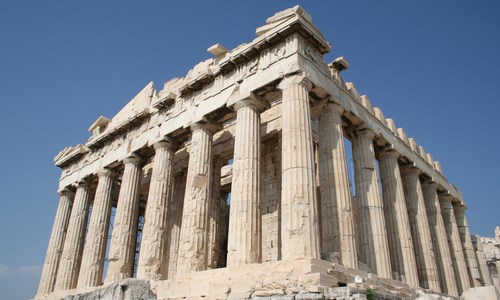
x=432 y=66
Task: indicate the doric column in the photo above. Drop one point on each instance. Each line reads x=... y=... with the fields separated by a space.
x=467 y=248
x=439 y=239
x=244 y=242
x=457 y=254
x=299 y=211
x=174 y=222
x=481 y=261
x=122 y=249
x=97 y=235
x=214 y=235
x=396 y=218
x=419 y=225
x=56 y=243
x=71 y=257
x=194 y=231
x=152 y=264
x=372 y=235
x=336 y=207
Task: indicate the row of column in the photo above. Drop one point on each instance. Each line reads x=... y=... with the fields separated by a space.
x=401 y=230
x=412 y=228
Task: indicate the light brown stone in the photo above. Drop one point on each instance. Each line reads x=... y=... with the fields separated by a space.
x=468 y=249
x=372 y=236
x=97 y=235
x=152 y=264
x=175 y=221
x=56 y=243
x=396 y=217
x=290 y=205
x=244 y=241
x=336 y=207
x=192 y=254
x=481 y=261
x=123 y=239
x=439 y=239
x=299 y=213
x=419 y=224
x=69 y=266
x=450 y=224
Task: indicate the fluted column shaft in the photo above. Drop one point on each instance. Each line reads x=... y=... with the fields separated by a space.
x=457 y=255
x=69 y=266
x=439 y=239
x=152 y=264
x=419 y=225
x=299 y=211
x=396 y=218
x=372 y=235
x=481 y=261
x=56 y=243
x=336 y=208
x=244 y=243
x=214 y=234
x=122 y=249
x=175 y=222
x=97 y=235
x=468 y=249
x=194 y=231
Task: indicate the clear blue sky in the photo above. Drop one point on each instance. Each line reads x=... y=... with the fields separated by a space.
x=433 y=66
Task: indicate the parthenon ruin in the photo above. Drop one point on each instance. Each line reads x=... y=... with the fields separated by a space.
x=232 y=183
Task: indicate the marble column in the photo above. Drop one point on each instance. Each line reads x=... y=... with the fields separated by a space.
x=152 y=264
x=122 y=248
x=299 y=211
x=71 y=257
x=439 y=239
x=419 y=225
x=192 y=254
x=244 y=242
x=467 y=248
x=94 y=251
x=214 y=234
x=481 y=261
x=457 y=254
x=336 y=207
x=396 y=219
x=372 y=234
x=175 y=222
x=56 y=243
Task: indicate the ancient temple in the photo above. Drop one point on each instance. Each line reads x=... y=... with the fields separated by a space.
x=232 y=183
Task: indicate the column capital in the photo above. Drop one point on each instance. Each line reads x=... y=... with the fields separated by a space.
x=430 y=183
x=132 y=159
x=82 y=183
x=205 y=125
x=248 y=99
x=460 y=208
x=390 y=153
x=66 y=191
x=325 y=106
x=365 y=132
x=167 y=142
x=445 y=197
x=105 y=172
x=408 y=169
x=295 y=79
x=254 y=104
x=333 y=106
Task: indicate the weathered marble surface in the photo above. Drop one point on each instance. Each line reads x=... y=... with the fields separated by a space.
x=281 y=114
